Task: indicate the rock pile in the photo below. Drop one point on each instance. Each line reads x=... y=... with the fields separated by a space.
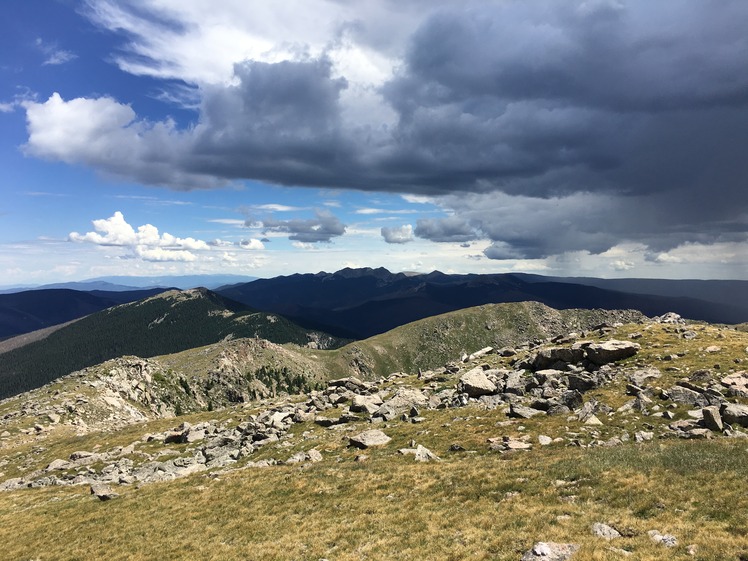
x=544 y=379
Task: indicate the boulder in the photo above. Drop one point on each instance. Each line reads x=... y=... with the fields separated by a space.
x=735 y=414
x=369 y=438
x=366 y=404
x=550 y=551
x=58 y=464
x=103 y=492
x=522 y=412
x=640 y=378
x=736 y=384
x=712 y=418
x=548 y=357
x=611 y=351
x=475 y=383
x=604 y=531
x=405 y=398
x=686 y=396
x=477 y=354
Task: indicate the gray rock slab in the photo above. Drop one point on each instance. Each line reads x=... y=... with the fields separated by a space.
x=611 y=351
x=369 y=438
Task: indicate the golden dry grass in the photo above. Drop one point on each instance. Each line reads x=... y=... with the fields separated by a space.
x=470 y=506
x=474 y=505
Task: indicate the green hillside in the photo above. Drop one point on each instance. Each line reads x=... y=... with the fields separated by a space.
x=431 y=342
x=170 y=322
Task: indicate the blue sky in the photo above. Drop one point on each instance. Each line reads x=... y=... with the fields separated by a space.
x=158 y=137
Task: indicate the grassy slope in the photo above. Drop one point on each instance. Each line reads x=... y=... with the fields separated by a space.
x=474 y=505
x=431 y=342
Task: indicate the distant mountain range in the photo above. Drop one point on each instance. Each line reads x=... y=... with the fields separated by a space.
x=359 y=303
x=127 y=283
x=22 y=312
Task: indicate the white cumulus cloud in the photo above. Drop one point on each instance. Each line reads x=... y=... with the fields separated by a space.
x=402 y=234
x=252 y=243
x=146 y=242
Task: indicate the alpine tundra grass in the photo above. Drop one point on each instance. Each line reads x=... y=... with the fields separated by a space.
x=479 y=502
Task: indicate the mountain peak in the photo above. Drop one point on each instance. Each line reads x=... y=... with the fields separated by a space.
x=350 y=273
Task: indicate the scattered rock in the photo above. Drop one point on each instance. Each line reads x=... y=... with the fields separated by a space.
x=712 y=418
x=314 y=456
x=369 y=438
x=477 y=354
x=686 y=396
x=58 y=465
x=522 y=412
x=475 y=383
x=735 y=414
x=550 y=551
x=103 y=492
x=668 y=540
x=604 y=531
x=611 y=351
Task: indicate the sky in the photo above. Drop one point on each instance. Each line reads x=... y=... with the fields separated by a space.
x=602 y=138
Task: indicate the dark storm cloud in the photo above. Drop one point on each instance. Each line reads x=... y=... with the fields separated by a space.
x=450 y=229
x=592 y=122
x=507 y=96
x=320 y=229
x=279 y=123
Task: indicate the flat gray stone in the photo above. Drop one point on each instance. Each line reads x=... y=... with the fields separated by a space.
x=523 y=412
x=611 y=351
x=369 y=438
